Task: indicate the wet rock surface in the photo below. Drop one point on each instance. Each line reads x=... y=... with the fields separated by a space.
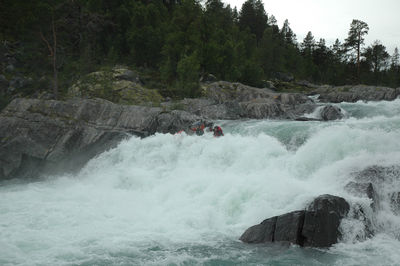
x=316 y=226
x=42 y=135
x=331 y=112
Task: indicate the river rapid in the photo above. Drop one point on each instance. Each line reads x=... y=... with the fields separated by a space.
x=185 y=200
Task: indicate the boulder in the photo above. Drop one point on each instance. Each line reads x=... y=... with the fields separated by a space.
x=289 y=228
x=119 y=85
x=260 y=233
x=331 y=112
x=48 y=136
x=123 y=73
x=317 y=226
x=322 y=220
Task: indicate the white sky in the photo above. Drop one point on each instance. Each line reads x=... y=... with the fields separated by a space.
x=331 y=19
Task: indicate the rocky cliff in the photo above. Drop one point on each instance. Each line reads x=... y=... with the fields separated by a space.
x=39 y=136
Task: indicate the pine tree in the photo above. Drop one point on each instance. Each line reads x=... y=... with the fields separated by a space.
x=308 y=44
x=253 y=17
x=287 y=34
x=377 y=56
x=395 y=62
x=355 y=39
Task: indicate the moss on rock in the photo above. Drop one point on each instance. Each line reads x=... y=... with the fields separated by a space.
x=118 y=85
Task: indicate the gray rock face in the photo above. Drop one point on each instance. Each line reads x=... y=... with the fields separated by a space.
x=356 y=93
x=211 y=109
x=317 y=226
x=331 y=112
x=235 y=100
x=172 y=122
x=45 y=135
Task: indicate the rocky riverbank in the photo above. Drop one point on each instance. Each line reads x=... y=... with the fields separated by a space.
x=39 y=135
x=56 y=134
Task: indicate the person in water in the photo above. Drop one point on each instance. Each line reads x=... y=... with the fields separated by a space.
x=218 y=131
x=199 y=126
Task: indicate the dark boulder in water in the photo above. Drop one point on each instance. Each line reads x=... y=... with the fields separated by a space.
x=322 y=220
x=260 y=233
x=288 y=227
x=317 y=226
x=331 y=112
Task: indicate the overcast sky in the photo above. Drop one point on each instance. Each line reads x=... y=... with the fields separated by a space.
x=331 y=19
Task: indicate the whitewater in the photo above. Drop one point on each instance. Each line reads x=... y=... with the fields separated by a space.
x=185 y=200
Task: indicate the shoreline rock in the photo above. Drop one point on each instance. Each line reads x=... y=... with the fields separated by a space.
x=354 y=93
x=37 y=136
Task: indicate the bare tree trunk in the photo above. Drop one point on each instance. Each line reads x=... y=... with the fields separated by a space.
x=358 y=57
x=53 y=55
x=55 y=72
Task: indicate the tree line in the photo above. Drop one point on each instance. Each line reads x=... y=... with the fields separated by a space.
x=180 y=40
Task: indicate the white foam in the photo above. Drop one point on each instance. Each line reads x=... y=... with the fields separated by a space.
x=168 y=190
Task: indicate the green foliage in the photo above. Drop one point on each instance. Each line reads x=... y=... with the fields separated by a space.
x=188 y=76
x=174 y=42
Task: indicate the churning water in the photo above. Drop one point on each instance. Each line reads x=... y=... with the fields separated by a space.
x=185 y=200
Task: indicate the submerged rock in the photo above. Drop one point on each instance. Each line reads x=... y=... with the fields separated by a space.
x=395 y=202
x=363 y=190
x=317 y=226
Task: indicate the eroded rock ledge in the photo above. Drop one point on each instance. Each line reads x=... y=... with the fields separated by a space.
x=39 y=135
